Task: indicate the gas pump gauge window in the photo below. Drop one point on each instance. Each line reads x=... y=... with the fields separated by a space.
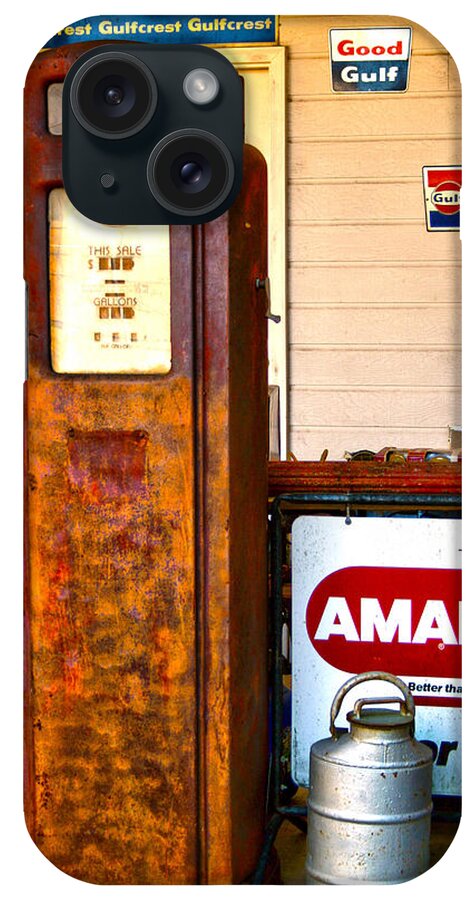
x=109 y=294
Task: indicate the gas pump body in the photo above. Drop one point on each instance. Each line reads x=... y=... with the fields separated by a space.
x=146 y=698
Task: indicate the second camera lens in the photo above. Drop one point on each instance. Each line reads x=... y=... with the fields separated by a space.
x=190 y=172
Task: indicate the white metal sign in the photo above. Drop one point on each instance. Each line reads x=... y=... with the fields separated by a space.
x=370 y=59
x=378 y=594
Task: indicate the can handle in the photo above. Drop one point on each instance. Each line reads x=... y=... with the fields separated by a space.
x=359 y=679
x=365 y=701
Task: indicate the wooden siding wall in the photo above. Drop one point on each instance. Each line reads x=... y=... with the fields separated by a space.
x=374 y=299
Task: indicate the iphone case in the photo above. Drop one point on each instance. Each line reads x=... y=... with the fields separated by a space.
x=317 y=317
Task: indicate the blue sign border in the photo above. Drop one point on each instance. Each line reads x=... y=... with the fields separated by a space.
x=212 y=29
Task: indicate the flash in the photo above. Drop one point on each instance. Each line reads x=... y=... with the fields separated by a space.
x=201 y=86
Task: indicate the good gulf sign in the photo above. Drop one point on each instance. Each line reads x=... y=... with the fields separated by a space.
x=378 y=594
x=370 y=59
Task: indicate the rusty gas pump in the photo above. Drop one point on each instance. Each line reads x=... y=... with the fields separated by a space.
x=146 y=699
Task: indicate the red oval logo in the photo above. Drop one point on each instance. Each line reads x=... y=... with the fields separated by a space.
x=396 y=619
x=446 y=198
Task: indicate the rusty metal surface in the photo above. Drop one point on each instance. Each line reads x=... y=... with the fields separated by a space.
x=145 y=660
x=232 y=396
x=427 y=477
x=113 y=655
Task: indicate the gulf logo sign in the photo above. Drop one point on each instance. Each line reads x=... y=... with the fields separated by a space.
x=370 y=59
x=442 y=187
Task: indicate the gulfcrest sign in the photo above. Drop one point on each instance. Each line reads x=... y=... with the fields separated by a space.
x=172 y=29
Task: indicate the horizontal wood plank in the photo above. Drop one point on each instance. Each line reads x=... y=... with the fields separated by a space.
x=382 y=326
x=341 y=282
x=381 y=158
x=350 y=201
x=391 y=407
x=378 y=114
x=371 y=242
x=311 y=365
x=454 y=81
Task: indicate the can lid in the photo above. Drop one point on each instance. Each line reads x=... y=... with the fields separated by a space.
x=379 y=718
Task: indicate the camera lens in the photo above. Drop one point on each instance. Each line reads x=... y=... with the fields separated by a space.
x=113 y=95
x=190 y=172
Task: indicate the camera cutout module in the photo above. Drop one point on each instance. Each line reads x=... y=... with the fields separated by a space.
x=152 y=135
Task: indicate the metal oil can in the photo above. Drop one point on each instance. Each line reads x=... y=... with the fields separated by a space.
x=369 y=806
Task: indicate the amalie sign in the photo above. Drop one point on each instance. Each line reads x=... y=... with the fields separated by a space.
x=212 y=29
x=378 y=593
x=398 y=619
